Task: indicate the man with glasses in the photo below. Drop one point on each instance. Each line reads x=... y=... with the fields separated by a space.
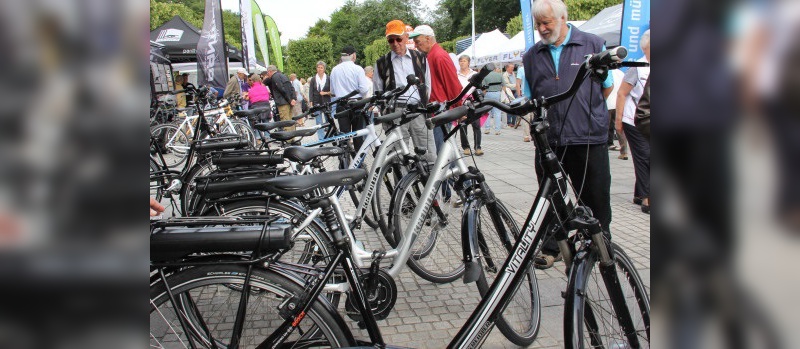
x=391 y=71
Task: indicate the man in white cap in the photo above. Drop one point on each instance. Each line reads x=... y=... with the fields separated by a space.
x=444 y=84
x=237 y=85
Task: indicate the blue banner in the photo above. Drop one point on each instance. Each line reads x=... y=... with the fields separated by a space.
x=635 y=21
x=527 y=23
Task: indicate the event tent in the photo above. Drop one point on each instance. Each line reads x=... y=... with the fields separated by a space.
x=506 y=51
x=606 y=25
x=487 y=44
x=180 y=41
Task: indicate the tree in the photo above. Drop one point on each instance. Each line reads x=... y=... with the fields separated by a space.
x=514 y=25
x=450 y=45
x=581 y=10
x=319 y=29
x=303 y=54
x=375 y=50
x=360 y=24
x=489 y=15
x=160 y=13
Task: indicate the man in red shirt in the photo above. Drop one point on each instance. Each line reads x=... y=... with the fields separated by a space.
x=444 y=84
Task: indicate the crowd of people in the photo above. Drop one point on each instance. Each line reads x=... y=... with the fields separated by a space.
x=582 y=130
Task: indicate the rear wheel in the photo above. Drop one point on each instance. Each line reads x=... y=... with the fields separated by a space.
x=173 y=141
x=241 y=129
x=208 y=298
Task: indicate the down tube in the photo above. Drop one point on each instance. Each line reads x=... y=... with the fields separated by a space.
x=482 y=320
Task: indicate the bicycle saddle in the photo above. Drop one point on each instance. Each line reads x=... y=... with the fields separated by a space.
x=287 y=135
x=303 y=154
x=269 y=126
x=296 y=186
x=250 y=111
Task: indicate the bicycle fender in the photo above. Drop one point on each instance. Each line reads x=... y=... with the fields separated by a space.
x=469 y=241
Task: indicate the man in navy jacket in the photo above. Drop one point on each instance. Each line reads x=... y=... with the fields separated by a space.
x=578 y=126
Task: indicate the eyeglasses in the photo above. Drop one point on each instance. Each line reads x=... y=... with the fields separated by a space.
x=395 y=40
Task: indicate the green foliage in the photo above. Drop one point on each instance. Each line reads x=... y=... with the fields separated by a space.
x=359 y=24
x=581 y=10
x=303 y=54
x=319 y=29
x=489 y=15
x=514 y=25
x=450 y=45
x=161 y=12
x=375 y=50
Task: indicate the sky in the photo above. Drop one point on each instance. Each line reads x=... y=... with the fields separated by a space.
x=294 y=17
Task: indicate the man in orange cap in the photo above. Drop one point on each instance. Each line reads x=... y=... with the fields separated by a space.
x=391 y=71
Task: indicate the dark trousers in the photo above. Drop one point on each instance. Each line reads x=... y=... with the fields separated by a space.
x=640 y=149
x=259 y=118
x=591 y=180
x=352 y=123
x=438 y=136
x=476 y=130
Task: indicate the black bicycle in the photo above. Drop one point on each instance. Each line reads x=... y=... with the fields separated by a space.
x=227 y=302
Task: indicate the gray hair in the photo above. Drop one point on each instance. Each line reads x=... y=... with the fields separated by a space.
x=272 y=68
x=321 y=63
x=465 y=57
x=644 y=41
x=293 y=76
x=368 y=69
x=540 y=8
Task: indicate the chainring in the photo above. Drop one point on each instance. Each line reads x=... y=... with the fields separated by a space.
x=381 y=297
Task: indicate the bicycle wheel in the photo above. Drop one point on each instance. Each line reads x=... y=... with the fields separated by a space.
x=241 y=129
x=591 y=313
x=208 y=298
x=389 y=177
x=436 y=252
x=497 y=233
x=311 y=246
x=175 y=143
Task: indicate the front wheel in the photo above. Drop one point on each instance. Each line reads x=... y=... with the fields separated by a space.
x=592 y=311
x=173 y=141
x=497 y=233
x=436 y=252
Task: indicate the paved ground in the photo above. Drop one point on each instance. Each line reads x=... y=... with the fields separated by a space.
x=428 y=315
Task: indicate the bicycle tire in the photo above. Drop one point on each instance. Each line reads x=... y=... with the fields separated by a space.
x=587 y=287
x=389 y=176
x=157 y=183
x=212 y=294
x=176 y=143
x=498 y=233
x=436 y=254
x=313 y=242
x=241 y=129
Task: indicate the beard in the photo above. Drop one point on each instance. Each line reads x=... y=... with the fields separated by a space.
x=553 y=37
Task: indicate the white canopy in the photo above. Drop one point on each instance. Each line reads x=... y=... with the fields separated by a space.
x=508 y=51
x=487 y=44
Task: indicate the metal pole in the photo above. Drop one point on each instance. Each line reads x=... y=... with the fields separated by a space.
x=473 y=30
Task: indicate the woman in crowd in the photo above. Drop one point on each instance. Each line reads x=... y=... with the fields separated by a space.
x=259 y=98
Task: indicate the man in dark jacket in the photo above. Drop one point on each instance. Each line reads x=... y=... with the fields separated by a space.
x=578 y=126
x=282 y=92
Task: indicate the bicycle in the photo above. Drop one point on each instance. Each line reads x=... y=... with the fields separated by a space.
x=305 y=314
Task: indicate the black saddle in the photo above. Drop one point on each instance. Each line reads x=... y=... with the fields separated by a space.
x=269 y=126
x=251 y=111
x=287 y=135
x=303 y=154
x=175 y=242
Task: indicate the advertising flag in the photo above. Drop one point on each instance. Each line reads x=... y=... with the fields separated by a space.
x=248 y=45
x=212 y=58
x=635 y=21
x=260 y=31
x=527 y=23
x=275 y=41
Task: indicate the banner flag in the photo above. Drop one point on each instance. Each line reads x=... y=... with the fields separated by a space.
x=635 y=21
x=275 y=41
x=248 y=44
x=212 y=58
x=527 y=23
x=261 y=32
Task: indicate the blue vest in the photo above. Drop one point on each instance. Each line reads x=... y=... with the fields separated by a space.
x=585 y=121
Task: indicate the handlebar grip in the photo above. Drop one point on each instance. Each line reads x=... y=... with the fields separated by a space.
x=389 y=117
x=447 y=116
x=359 y=103
x=301 y=116
x=342 y=114
x=351 y=94
x=607 y=57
